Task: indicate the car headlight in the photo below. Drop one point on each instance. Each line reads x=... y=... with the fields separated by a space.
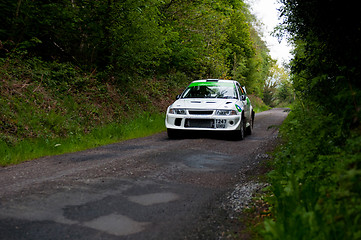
x=177 y=111
x=226 y=112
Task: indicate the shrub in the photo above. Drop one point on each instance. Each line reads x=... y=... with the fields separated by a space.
x=315 y=183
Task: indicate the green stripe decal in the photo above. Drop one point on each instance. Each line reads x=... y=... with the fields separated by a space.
x=212 y=84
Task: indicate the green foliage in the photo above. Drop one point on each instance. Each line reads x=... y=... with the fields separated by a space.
x=315 y=184
x=140 y=38
x=278 y=89
x=253 y=68
x=137 y=39
x=326 y=65
x=284 y=93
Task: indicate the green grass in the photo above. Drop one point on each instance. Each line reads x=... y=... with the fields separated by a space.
x=144 y=124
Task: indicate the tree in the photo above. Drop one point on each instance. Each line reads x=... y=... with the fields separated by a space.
x=145 y=38
x=278 y=89
x=327 y=55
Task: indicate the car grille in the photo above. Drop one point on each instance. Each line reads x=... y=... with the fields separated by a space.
x=192 y=112
x=199 y=123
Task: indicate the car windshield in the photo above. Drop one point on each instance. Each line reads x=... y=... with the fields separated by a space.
x=210 y=90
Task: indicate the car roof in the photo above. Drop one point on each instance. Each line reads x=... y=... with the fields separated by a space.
x=214 y=80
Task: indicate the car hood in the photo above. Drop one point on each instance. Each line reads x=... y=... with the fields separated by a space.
x=210 y=103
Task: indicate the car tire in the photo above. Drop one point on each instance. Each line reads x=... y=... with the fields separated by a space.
x=251 y=122
x=253 y=114
x=249 y=130
x=173 y=134
x=239 y=134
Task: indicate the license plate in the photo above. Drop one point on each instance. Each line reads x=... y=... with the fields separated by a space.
x=221 y=123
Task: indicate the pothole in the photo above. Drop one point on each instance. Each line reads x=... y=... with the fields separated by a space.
x=153 y=198
x=118 y=225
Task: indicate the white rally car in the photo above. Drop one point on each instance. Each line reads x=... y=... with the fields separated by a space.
x=214 y=105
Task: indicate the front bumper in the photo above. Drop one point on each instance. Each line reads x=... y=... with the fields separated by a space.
x=201 y=122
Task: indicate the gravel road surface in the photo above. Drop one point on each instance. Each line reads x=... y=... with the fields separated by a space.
x=147 y=188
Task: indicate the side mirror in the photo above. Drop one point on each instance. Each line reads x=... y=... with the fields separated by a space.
x=177 y=97
x=243 y=97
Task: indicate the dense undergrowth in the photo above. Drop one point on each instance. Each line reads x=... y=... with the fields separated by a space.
x=315 y=183
x=50 y=108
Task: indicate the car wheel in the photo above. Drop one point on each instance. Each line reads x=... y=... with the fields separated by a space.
x=253 y=114
x=251 y=122
x=249 y=128
x=173 y=134
x=239 y=134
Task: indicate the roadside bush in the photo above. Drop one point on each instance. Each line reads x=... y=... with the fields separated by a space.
x=315 y=183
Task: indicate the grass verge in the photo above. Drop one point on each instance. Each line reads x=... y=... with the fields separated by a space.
x=142 y=125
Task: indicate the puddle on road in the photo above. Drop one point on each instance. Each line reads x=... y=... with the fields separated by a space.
x=118 y=225
x=153 y=198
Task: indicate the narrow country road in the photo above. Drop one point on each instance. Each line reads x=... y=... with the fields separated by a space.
x=148 y=188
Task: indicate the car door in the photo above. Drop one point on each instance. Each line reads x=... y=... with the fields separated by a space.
x=248 y=102
x=243 y=98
